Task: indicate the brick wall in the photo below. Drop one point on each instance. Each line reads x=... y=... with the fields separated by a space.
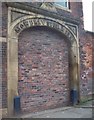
x=85 y=39
x=86 y=62
x=77 y=9
x=43 y=70
x=4 y=75
x=3 y=33
x=4 y=19
x=86 y=51
x=0 y=75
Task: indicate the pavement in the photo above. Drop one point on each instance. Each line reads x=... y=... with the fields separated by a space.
x=79 y=111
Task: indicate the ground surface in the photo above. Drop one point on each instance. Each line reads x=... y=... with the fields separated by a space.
x=80 y=111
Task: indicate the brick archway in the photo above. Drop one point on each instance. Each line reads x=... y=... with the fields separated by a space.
x=16 y=28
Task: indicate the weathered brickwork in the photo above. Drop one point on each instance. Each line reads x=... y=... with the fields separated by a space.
x=43 y=70
x=0 y=75
x=86 y=40
x=43 y=61
x=4 y=20
x=3 y=33
x=4 y=74
x=86 y=62
x=77 y=11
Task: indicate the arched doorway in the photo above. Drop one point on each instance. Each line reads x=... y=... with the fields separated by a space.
x=43 y=62
x=13 y=33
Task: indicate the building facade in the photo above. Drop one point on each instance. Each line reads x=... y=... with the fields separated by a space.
x=46 y=56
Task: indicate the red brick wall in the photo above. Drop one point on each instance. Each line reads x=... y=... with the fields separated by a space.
x=77 y=9
x=43 y=70
x=85 y=40
x=86 y=61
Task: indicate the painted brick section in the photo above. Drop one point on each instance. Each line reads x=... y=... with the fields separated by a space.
x=43 y=70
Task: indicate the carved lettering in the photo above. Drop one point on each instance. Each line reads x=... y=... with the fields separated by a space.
x=31 y=22
x=21 y=25
x=39 y=22
x=55 y=25
x=49 y=23
x=67 y=33
x=43 y=22
x=70 y=36
x=61 y=28
x=17 y=29
x=26 y=23
x=36 y=22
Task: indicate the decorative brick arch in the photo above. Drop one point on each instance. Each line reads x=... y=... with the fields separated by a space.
x=26 y=22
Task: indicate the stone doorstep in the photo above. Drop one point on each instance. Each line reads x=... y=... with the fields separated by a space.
x=43 y=112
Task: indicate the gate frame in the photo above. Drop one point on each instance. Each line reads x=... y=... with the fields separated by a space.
x=12 y=51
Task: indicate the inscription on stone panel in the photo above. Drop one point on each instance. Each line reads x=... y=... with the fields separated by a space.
x=43 y=22
x=73 y=28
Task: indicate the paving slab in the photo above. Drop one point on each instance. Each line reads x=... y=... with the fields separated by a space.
x=69 y=113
